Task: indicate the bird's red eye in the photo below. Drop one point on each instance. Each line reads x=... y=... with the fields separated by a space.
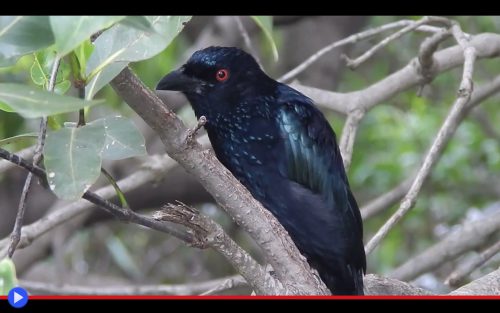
x=222 y=75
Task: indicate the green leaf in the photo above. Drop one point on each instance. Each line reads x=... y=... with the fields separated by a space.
x=72 y=159
x=266 y=24
x=20 y=35
x=13 y=139
x=103 y=77
x=32 y=102
x=83 y=53
x=62 y=87
x=41 y=69
x=124 y=44
x=8 y=278
x=5 y=107
x=139 y=22
x=123 y=139
x=71 y=31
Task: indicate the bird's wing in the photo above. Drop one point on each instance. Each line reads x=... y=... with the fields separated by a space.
x=313 y=157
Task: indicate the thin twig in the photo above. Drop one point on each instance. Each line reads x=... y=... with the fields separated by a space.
x=349 y=136
x=126 y=215
x=427 y=50
x=455 y=278
x=350 y=40
x=386 y=200
x=443 y=136
x=181 y=289
x=229 y=283
x=247 y=40
x=155 y=167
x=24 y=153
x=352 y=64
x=191 y=133
x=18 y=224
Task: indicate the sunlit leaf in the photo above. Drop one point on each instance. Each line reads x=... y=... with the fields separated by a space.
x=8 y=278
x=71 y=31
x=266 y=24
x=121 y=44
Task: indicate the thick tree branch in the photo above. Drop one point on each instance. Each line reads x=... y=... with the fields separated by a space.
x=470 y=236
x=291 y=268
x=455 y=278
x=486 y=285
x=487 y=45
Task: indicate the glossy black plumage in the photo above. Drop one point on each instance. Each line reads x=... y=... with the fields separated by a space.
x=281 y=147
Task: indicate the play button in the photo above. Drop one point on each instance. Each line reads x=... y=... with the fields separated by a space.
x=18 y=297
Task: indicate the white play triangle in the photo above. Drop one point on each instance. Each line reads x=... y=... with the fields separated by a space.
x=17 y=297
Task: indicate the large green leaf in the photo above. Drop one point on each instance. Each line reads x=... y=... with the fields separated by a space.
x=125 y=44
x=20 y=35
x=32 y=102
x=8 y=278
x=266 y=24
x=139 y=22
x=103 y=77
x=71 y=31
x=123 y=139
x=72 y=159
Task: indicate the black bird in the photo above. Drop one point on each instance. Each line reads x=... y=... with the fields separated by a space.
x=283 y=150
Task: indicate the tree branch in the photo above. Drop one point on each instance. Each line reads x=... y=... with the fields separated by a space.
x=60 y=216
x=470 y=236
x=455 y=278
x=350 y=40
x=486 y=285
x=18 y=224
x=349 y=136
x=291 y=268
x=386 y=200
x=352 y=64
x=443 y=136
x=212 y=286
x=24 y=153
x=487 y=45
x=211 y=234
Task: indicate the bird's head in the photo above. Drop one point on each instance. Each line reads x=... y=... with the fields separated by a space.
x=217 y=77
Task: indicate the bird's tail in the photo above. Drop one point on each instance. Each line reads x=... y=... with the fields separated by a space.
x=347 y=281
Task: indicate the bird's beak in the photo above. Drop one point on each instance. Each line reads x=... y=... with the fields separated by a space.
x=178 y=81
